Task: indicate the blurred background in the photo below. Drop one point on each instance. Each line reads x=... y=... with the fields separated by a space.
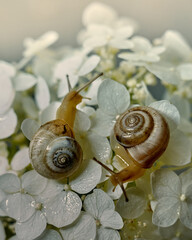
x=31 y=18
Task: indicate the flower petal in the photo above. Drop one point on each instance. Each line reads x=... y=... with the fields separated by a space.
x=32 y=228
x=33 y=183
x=49 y=234
x=186 y=214
x=20 y=159
x=42 y=95
x=111 y=219
x=8 y=123
x=87 y=179
x=135 y=206
x=113 y=98
x=24 y=81
x=166 y=212
x=29 y=127
x=88 y=66
x=165 y=183
x=18 y=206
x=178 y=152
x=82 y=229
x=97 y=202
x=10 y=183
x=107 y=234
x=49 y=113
x=169 y=111
x=63 y=209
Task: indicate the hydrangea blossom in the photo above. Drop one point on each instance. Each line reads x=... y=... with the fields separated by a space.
x=85 y=205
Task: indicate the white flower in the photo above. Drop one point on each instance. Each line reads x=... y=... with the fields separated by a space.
x=175 y=64
x=73 y=66
x=35 y=46
x=102 y=209
x=173 y=195
x=143 y=51
x=18 y=162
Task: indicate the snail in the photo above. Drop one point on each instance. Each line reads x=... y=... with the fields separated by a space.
x=142 y=135
x=53 y=151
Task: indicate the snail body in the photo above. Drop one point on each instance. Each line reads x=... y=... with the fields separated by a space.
x=54 y=151
x=141 y=135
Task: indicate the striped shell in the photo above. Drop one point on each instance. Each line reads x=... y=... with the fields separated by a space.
x=144 y=133
x=54 y=152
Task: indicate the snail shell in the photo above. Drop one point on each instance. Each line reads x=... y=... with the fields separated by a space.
x=54 y=152
x=144 y=133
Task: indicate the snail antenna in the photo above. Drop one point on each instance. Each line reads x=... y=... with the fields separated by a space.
x=116 y=178
x=68 y=83
x=87 y=84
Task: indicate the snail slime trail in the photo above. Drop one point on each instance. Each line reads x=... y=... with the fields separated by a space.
x=142 y=135
x=54 y=151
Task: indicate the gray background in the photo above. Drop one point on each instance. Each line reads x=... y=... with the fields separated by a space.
x=31 y=18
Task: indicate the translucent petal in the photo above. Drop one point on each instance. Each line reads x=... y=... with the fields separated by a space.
x=111 y=219
x=49 y=113
x=186 y=214
x=185 y=71
x=29 y=127
x=141 y=44
x=177 y=47
x=30 y=107
x=63 y=209
x=6 y=69
x=32 y=228
x=87 y=179
x=42 y=95
x=124 y=32
x=169 y=111
x=166 y=72
x=7 y=94
x=186 y=179
x=182 y=105
x=41 y=43
x=24 y=81
x=8 y=123
x=18 y=206
x=103 y=123
x=107 y=234
x=113 y=98
x=10 y=183
x=82 y=122
x=135 y=206
x=178 y=152
x=94 y=42
x=166 y=212
x=20 y=159
x=68 y=66
x=3 y=165
x=165 y=183
x=82 y=229
x=148 y=57
x=33 y=183
x=89 y=65
x=121 y=43
x=97 y=202
x=49 y=234
x=98 y=12
x=100 y=146
x=109 y=189
x=52 y=189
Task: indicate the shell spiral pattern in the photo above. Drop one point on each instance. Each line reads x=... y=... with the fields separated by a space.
x=55 y=154
x=144 y=133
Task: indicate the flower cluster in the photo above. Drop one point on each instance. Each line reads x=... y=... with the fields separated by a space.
x=87 y=204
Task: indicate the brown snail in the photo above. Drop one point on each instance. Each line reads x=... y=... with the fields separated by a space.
x=53 y=151
x=142 y=135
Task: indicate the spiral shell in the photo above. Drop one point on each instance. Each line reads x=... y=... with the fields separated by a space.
x=144 y=133
x=54 y=152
